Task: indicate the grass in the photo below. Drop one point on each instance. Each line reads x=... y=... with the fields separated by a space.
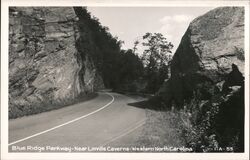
x=159 y=130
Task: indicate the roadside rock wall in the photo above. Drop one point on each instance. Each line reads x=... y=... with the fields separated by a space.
x=46 y=67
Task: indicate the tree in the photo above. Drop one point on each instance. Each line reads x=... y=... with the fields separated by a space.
x=156 y=58
x=135 y=46
x=158 y=50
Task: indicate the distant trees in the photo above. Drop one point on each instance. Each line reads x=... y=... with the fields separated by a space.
x=117 y=67
x=156 y=58
x=96 y=41
x=124 y=69
x=130 y=71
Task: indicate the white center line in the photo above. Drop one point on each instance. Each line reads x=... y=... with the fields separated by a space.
x=61 y=125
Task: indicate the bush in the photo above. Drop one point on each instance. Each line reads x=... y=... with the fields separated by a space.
x=207 y=125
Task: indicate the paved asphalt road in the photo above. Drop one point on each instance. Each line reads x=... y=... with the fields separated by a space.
x=106 y=120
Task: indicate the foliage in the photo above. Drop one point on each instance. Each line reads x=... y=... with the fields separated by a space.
x=207 y=126
x=158 y=52
x=239 y=53
x=156 y=58
x=123 y=69
x=120 y=69
x=136 y=43
x=130 y=69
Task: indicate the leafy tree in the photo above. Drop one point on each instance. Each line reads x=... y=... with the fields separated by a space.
x=156 y=58
x=158 y=50
x=135 y=46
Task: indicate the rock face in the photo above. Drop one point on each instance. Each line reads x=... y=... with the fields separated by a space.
x=207 y=79
x=45 y=64
x=211 y=48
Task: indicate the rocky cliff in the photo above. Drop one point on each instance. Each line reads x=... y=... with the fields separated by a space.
x=211 y=48
x=207 y=77
x=47 y=66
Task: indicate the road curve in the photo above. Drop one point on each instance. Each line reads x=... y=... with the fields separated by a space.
x=106 y=120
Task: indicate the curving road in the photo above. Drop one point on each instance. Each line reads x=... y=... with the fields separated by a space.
x=106 y=120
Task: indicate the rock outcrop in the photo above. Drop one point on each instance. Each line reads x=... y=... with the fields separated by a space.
x=211 y=48
x=207 y=79
x=46 y=64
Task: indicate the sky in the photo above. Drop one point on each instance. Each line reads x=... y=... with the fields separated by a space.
x=131 y=23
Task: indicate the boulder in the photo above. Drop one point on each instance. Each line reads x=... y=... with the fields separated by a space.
x=211 y=48
x=207 y=80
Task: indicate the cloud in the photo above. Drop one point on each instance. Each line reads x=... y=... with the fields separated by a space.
x=177 y=18
x=165 y=19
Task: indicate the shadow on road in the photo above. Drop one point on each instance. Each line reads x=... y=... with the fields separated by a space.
x=147 y=104
x=144 y=101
